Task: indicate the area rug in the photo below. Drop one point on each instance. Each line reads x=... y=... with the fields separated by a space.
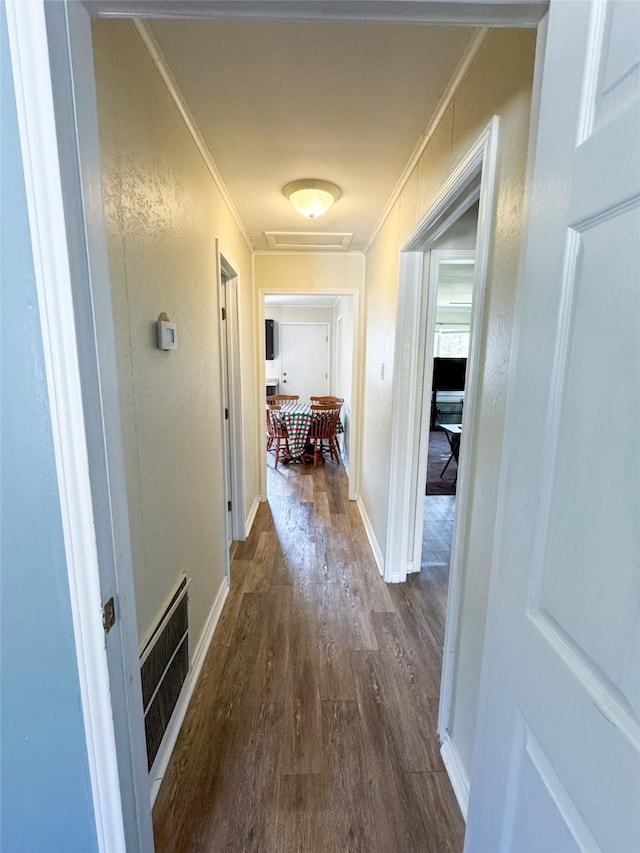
x=439 y=452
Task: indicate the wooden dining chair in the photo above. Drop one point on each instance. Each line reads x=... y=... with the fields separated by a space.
x=324 y=422
x=326 y=400
x=277 y=435
x=278 y=399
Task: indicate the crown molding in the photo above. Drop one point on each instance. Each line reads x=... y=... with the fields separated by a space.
x=445 y=102
x=483 y=13
x=158 y=59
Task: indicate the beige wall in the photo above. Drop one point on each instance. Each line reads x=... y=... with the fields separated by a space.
x=306 y=273
x=163 y=214
x=498 y=82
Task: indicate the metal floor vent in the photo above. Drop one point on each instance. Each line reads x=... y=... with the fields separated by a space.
x=164 y=664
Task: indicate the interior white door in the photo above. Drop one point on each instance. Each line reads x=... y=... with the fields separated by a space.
x=556 y=762
x=304 y=359
x=226 y=403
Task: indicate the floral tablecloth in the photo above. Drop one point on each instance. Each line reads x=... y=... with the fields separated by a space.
x=297 y=419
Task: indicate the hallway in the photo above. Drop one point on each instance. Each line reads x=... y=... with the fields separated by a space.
x=313 y=725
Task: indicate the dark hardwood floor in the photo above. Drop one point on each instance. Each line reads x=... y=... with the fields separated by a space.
x=313 y=724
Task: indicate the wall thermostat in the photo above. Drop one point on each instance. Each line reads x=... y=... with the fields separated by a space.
x=167 y=334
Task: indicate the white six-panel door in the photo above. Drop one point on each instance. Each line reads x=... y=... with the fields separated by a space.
x=556 y=765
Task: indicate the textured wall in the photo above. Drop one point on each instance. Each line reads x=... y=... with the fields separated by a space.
x=163 y=213
x=46 y=799
x=498 y=82
x=307 y=272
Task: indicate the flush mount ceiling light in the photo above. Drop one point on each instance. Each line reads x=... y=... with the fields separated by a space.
x=310 y=197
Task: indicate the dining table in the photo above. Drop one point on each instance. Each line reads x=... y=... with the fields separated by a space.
x=297 y=418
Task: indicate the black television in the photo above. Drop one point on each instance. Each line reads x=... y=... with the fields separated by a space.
x=268 y=339
x=449 y=374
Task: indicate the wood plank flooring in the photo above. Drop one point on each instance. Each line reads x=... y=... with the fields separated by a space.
x=313 y=724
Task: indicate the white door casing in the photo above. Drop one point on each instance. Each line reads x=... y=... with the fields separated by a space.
x=232 y=428
x=304 y=359
x=357 y=356
x=226 y=402
x=556 y=763
x=55 y=93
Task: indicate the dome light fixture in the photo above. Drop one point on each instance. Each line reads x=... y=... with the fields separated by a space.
x=311 y=197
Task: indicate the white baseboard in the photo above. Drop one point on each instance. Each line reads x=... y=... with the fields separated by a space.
x=371 y=536
x=456 y=772
x=159 y=766
x=251 y=517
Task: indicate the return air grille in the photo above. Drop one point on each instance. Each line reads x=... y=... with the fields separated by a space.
x=164 y=665
x=308 y=240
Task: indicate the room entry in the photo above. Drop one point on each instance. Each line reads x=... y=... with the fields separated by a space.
x=304 y=359
x=453 y=272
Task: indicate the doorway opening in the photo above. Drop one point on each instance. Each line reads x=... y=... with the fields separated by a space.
x=471 y=186
x=449 y=327
x=311 y=347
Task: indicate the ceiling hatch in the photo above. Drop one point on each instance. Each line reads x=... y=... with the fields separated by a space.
x=308 y=240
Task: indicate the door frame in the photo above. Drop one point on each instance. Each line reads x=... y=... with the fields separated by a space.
x=52 y=64
x=474 y=179
x=357 y=381
x=435 y=257
x=231 y=358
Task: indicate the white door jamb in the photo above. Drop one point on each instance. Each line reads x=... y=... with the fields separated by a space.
x=94 y=510
x=475 y=177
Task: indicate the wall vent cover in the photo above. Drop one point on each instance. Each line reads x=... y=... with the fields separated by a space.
x=164 y=664
x=308 y=240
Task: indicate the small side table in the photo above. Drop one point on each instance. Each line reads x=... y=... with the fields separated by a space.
x=452 y=431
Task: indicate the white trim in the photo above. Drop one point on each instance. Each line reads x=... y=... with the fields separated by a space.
x=292 y=253
x=445 y=102
x=457 y=776
x=159 y=766
x=405 y=492
x=34 y=98
x=234 y=392
x=484 y=239
x=494 y=13
x=157 y=57
x=251 y=517
x=371 y=536
x=425 y=357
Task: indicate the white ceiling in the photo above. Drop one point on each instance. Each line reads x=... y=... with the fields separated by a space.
x=341 y=90
x=280 y=100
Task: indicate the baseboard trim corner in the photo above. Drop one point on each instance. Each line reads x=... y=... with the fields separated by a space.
x=371 y=536
x=456 y=773
x=252 y=516
x=159 y=767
